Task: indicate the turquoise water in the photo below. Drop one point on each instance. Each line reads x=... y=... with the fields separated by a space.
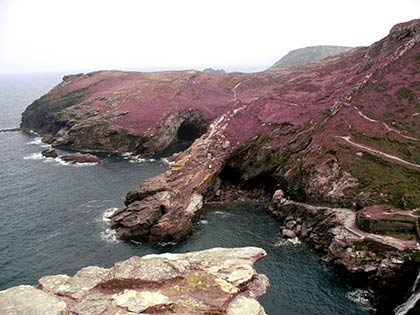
x=54 y=219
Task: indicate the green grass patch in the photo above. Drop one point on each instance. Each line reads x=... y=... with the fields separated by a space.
x=407 y=150
x=388 y=183
x=370 y=245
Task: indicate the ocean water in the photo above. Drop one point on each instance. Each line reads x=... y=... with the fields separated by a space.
x=54 y=219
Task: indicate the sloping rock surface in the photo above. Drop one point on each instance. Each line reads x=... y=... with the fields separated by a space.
x=215 y=281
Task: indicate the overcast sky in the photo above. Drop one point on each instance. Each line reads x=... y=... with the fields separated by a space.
x=84 y=35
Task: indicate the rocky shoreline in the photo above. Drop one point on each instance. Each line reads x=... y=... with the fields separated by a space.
x=337 y=137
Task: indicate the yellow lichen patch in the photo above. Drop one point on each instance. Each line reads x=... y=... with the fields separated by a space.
x=180 y=163
x=205 y=177
x=193 y=279
x=226 y=286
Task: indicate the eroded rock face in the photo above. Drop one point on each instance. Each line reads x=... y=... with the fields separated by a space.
x=386 y=264
x=215 y=281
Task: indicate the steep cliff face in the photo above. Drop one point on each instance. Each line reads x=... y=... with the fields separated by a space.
x=215 y=281
x=343 y=131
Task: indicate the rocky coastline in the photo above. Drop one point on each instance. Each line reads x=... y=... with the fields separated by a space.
x=336 y=137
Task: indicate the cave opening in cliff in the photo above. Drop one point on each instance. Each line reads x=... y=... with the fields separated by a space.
x=189 y=131
x=186 y=134
x=263 y=183
x=230 y=175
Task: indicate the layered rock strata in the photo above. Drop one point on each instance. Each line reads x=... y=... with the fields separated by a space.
x=214 y=281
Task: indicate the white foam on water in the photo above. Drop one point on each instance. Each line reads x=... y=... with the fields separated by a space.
x=360 y=296
x=36 y=141
x=126 y=155
x=50 y=160
x=166 y=161
x=57 y=160
x=204 y=222
x=109 y=236
x=83 y=164
x=34 y=156
x=136 y=159
x=286 y=242
x=106 y=216
x=221 y=213
x=294 y=241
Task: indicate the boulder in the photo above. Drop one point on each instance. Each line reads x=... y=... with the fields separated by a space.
x=288 y=233
x=278 y=195
x=213 y=281
x=80 y=158
x=49 y=153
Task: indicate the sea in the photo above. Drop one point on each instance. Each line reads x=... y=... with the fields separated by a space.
x=55 y=219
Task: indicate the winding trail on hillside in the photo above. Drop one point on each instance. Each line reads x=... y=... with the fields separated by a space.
x=347 y=217
x=380 y=153
x=388 y=128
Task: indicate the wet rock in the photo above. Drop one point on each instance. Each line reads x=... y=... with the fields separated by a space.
x=80 y=158
x=215 y=281
x=135 y=221
x=288 y=233
x=290 y=224
x=49 y=153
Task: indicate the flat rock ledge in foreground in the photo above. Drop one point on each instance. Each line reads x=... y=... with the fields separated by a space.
x=215 y=281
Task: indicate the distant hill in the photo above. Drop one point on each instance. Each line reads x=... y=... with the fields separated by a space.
x=214 y=71
x=308 y=54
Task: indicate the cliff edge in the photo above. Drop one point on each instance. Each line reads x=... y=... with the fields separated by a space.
x=214 y=281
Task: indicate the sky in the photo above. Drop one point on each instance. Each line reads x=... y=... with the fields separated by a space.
x=86 y=35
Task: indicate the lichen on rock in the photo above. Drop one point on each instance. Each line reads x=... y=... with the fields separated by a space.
x=213 y=281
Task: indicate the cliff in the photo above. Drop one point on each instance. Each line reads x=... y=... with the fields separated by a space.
x=342 y=132
x=215 y=281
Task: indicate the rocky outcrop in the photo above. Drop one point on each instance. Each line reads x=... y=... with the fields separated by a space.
x=214 y=281
x=49 y=153
x=308 y=54
x=80 y=158
x=385 y=264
